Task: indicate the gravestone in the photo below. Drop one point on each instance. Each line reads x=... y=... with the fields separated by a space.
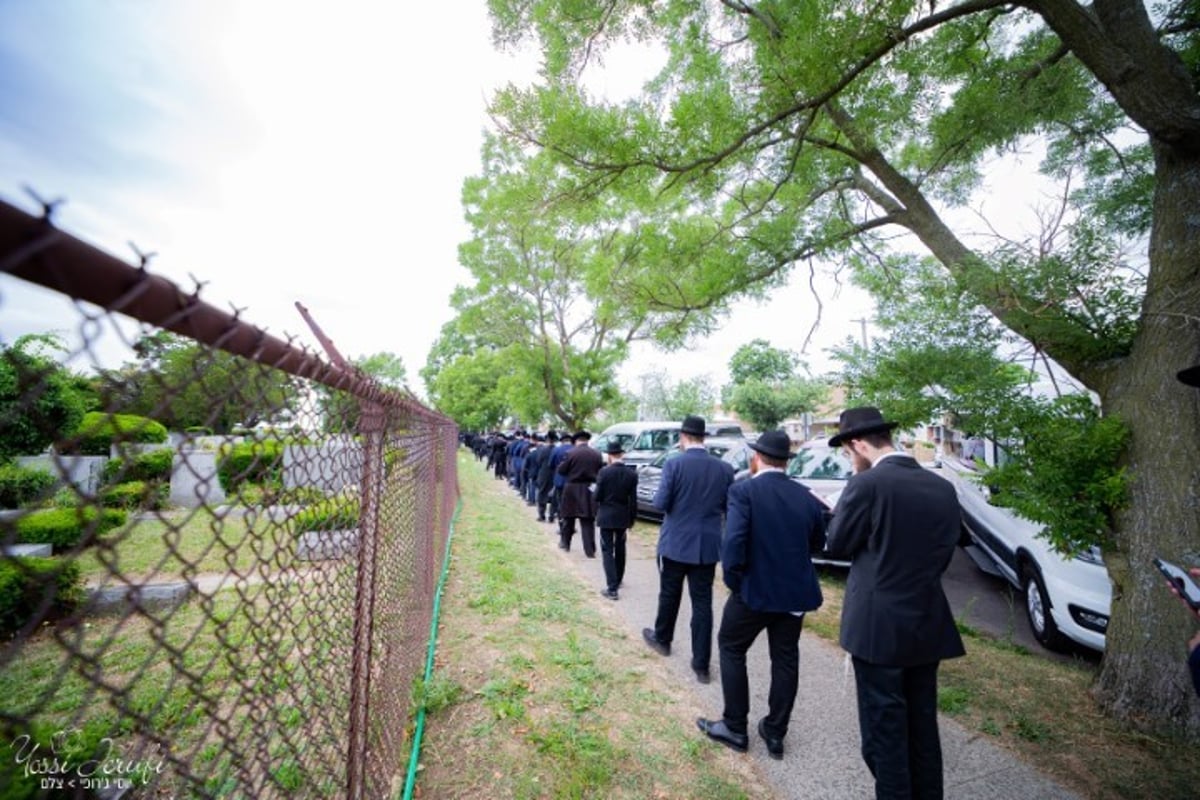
x=194 y=480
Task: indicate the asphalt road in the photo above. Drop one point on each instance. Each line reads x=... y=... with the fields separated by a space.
x=992 y=606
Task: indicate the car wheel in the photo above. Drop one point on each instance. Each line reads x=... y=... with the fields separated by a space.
x=1037 y=610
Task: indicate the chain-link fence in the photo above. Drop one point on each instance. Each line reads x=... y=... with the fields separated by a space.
x=236 y=608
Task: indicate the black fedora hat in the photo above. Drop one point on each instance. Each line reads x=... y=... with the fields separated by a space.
x=856 y=422
x=614 y=448
x=1190 y=376
x=581 y=436
x=774 y=444
x=692 y=425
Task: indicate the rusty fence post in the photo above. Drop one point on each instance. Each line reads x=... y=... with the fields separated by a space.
x=372 y=426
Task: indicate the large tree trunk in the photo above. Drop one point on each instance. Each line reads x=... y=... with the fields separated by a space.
x=1143 y=677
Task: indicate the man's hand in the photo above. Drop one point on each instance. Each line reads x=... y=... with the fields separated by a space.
x=1195 y=573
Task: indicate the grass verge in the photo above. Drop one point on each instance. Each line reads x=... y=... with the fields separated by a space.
x=537 y=694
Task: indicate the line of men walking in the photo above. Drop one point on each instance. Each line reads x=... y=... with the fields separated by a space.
x=570 y=483
x=895 y=523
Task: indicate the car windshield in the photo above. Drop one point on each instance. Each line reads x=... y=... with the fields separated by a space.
x=820 y=463
x=626 y=439
x=656 y=440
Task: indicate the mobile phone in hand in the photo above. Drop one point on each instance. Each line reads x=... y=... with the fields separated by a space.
x=1182 y=581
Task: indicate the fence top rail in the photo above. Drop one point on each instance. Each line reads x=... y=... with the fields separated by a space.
x=34 y=250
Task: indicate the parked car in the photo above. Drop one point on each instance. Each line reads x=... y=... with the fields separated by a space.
x=818 y=466
x=650 y=475
x=642 y=440
x=1067 y=599
x=821 y=469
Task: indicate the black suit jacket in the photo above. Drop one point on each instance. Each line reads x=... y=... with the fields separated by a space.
x=773 y=526
x=898 y=524
x=580 y=467
x=616 y=497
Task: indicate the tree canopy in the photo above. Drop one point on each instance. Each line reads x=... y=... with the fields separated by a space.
x=183 y=385
x=560 y=291
x=664 y=398
x=41 y=401
x=779 y=132
x=766 y=387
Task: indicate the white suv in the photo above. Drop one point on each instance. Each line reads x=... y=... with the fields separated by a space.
x=1066 y=598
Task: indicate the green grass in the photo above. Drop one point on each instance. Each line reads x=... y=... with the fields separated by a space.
x=162 y=549
x=209 y=679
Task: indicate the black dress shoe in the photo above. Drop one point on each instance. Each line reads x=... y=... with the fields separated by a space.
x=774 y=746
x=609 y=593
x=702 y=675
x=718 y=731
x=655 y=645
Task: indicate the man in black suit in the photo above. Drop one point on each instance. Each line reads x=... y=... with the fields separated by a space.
x=616 y=506
x=898 y=524
x=691 y=495
x=545 y=479
x=579 y=469
x=772 y=526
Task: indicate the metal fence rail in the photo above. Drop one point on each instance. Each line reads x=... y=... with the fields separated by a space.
x=249 y=620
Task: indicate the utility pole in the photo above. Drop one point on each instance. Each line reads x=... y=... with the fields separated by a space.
x=863 y=322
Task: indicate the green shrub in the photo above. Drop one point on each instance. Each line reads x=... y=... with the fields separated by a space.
x=65 y=527
x=135 y=495
x=152 y=466
x=333 y=514
x=98 y=430
x=251 y=494
x=250 y=462
x=66 y=497
x=20 y=485
x=25 y=584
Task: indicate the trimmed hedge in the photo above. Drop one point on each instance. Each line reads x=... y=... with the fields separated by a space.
x=25 y=584
x=65 y=527
x=152 y=466
x=334 y=514
x=98 y=430
x=132 y=495
x=250 y=462
x=21 y=485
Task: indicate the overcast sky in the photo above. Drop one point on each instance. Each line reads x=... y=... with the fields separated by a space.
x=283 y=152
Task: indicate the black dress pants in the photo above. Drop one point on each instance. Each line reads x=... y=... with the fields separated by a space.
x=587 y=534
x=670 y=594
x=897 y=719
x=612 y=548
x=740 y=626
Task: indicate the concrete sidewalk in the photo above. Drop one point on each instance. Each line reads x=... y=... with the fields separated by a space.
x=821 y=758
